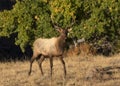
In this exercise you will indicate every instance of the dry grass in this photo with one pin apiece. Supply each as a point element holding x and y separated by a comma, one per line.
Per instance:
<point>78,68</point>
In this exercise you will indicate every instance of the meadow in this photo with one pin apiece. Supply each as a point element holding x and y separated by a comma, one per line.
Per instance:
<point>81,71</point>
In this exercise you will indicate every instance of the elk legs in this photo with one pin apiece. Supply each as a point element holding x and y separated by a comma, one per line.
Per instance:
<point>51,65</point>
<point>63,63</point>
<point>40,60</point>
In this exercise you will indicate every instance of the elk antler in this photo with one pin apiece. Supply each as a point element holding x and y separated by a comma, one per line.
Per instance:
<point>69,26</point>
<point>55,25</point>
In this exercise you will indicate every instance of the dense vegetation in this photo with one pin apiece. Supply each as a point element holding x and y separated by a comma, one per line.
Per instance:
<point>98,21</point>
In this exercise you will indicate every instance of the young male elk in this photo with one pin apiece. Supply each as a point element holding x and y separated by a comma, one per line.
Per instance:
<point>53,47</point>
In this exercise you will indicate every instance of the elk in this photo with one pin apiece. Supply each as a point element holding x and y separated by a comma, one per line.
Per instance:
<point>49,48</point>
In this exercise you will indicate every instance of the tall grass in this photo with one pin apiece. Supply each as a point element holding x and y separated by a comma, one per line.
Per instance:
<point>78,68</point>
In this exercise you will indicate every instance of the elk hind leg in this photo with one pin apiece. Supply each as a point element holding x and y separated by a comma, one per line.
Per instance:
<point>40,60</point>
<point>31,62</point>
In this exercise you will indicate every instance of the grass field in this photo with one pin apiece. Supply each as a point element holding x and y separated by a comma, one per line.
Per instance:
<point>78,70</point>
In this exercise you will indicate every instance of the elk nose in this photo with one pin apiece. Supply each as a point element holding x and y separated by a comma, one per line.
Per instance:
<point>65,37</point>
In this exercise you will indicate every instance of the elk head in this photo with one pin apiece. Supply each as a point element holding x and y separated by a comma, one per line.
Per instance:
<point>64,32</point>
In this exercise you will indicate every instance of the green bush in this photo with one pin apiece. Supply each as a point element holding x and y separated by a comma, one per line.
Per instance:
<point>98,21</point>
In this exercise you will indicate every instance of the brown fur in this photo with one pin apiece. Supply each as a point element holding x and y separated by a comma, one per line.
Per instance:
<point>83,49</point>
<point>87,50</point>
<point>53,47</point>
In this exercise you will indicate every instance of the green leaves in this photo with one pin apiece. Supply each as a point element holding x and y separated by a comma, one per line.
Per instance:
<point>31,19</point>
<point>25,19</point>
<point>63,11</point>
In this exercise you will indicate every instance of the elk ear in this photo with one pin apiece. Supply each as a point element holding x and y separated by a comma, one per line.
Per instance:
<point>69,29</point>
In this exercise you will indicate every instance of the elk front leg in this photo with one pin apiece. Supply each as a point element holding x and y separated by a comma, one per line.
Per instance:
<point>63,63</point>
<point>51,65</point>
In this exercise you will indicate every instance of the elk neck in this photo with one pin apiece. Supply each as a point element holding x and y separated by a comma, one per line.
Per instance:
<point>62,38</point>
<point>61,43</point>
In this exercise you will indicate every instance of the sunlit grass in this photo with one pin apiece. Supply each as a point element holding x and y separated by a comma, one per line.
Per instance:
<point>16,73</point>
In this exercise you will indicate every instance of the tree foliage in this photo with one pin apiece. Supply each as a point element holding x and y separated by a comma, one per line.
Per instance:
<point>97,21</point>
<point>29,19</point>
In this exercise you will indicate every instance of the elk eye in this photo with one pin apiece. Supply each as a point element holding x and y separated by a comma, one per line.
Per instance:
<point>66,33</point>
